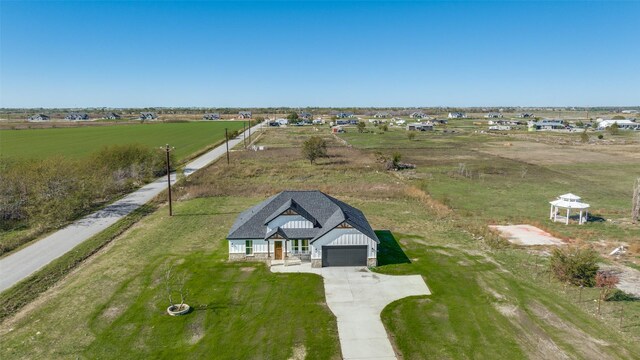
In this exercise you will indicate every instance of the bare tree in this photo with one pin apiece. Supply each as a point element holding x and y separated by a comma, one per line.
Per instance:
<point>175,285</point>
<point>606,281</point>
<point>635,209</point>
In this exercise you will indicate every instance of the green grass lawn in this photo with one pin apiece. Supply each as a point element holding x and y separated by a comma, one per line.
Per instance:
<point>187,138</point>
<point>114,307</point>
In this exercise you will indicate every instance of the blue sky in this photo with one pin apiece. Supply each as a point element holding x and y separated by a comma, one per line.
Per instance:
<point>383,53</point>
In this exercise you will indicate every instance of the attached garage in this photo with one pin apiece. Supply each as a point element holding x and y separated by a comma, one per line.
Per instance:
<point>345,255</point>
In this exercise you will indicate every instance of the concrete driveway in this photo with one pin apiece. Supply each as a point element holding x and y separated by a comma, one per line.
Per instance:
<point>356,296</point>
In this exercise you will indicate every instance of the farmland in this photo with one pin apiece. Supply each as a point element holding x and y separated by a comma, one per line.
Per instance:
<point>188,138</point>
<point>486,302</point>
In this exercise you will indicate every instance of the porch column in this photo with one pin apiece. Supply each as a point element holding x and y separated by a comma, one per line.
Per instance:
<point>268,250</point>
<point>580,218</point>
<point>567,222</point>
<point>586,215</point>
<point>551,213</point>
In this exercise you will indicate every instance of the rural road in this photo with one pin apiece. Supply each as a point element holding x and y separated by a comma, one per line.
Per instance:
<point>28,260</point>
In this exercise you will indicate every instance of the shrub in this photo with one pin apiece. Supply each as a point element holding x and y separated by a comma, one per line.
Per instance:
<point>600,136</point>
<point>384,127</point>
<point>361,126</point>
<point>313,148</point>
<point>576,266</point>
<point>618,117</point>
<point>584,137</point>
<point>411,135</point>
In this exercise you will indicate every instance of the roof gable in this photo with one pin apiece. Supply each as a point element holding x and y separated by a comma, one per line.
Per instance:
<point>324,211</point>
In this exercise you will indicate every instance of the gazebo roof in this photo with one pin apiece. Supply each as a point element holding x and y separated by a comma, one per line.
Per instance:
<point>569,204</point>
<point>570,197</point>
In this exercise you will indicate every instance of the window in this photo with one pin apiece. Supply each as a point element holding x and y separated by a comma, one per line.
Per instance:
<point>295,246</point>
<point>249,247</point>
<point>305,246</point>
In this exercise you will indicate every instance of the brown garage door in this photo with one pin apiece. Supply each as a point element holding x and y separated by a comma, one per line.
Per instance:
<point>351,255</point>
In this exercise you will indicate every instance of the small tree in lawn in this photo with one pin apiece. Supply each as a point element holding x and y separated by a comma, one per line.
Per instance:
<point>313,148</point>
<point>361,125</point>
<point>411,135</point>
<point>606,281</point>
<point>613,129</point>
<point>175,286</point>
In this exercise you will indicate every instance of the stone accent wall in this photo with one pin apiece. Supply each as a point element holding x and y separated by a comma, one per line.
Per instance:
<point>243,257</point>
<point>316,263</point>
<point>372,262</point>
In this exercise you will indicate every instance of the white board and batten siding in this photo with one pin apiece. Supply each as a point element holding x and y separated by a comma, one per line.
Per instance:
<point>289,222</point>
<point>340,236</point>
<point>239,246</point>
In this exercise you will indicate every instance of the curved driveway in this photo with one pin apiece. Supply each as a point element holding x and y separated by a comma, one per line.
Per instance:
<point>24,262</point>
<point>356,296</point>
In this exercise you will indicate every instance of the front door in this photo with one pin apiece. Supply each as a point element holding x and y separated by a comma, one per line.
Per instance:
<point>277,250</point>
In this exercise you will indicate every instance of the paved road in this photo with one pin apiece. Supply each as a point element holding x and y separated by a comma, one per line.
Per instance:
<point>356,296</point>
<point>28,260</point>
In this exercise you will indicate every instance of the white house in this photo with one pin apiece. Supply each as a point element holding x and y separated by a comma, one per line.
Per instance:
<point>456,115</point>
<point>622,124</point>
<point>304,226</point>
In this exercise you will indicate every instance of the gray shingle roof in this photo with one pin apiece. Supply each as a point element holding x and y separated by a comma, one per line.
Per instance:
<point>324,211</point>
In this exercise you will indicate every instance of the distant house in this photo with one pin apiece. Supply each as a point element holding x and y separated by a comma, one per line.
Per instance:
<point>630,111</point>
<point>305,115</point>
<point>525,115</point>
<point>344,115</point>
<point>244,114</point>
<point>282,121</point>
<point>38,117</point>
<point>499,128</point>
<point>493,115</point>
<point>546,124</point>
<point>77,116</point>
<point>318,121</point>
<point>381,115</point>
<point>423,126</point>
<point>622,124</point>
<point>212,116</point>
<point>456,115</point>
<point>342,122</point>
<point>418,115</point>
<point>111,116</point>
<point>148,116</point>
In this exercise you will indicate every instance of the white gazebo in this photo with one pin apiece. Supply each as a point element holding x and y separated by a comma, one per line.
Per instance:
<point>568,202</point>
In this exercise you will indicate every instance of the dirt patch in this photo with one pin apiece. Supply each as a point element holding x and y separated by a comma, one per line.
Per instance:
<point>585,344</point>
<point>490,290</point>
<point>526,235</point>
<point>629,278</point>
<point>196,330</point>
<point>531,336</point>
<point>299,352</point>
<point>111,313</point>
<point>247,269</point>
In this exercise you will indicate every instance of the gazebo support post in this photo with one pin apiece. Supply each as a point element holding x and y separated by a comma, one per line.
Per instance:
<point>580,218</point>
<point>551,213</point>
<point>567,222</point>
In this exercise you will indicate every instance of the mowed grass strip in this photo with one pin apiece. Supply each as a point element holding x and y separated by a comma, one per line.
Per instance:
<point>114,306</point>
<point>188,138</point>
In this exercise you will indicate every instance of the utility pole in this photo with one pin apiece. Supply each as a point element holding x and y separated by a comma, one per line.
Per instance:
<point>244,134</point>
<point>168,149</point>
<point>227,143</point>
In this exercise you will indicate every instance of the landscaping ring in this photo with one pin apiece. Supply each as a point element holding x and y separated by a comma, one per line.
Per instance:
<point>175,310</point>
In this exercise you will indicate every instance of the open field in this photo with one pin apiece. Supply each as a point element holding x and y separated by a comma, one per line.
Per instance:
<point>188,138</point>
<point>485,303</point>
<point>509,180</point>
